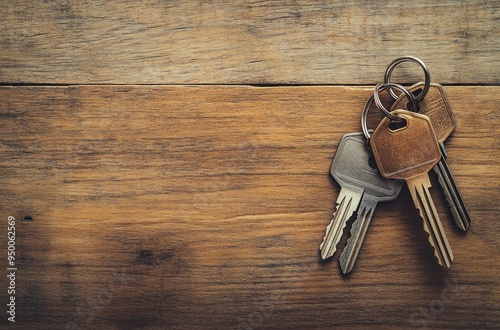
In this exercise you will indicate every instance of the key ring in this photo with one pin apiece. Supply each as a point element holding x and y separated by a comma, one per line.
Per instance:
<point>390,68</point>
<point>380,87</point>
<point>364,114</point>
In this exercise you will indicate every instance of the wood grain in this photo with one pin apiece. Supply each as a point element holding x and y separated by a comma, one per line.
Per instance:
<point>191,207</point>
<point>245,42</point>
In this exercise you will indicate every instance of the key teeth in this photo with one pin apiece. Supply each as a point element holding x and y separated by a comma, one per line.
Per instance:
<point>436,254</point>
<point>345,263</point>
<point>446,264</point>
<point>340,210</point>
<point>346,205</point>
<point>347,259</point>
<point>325,254</point>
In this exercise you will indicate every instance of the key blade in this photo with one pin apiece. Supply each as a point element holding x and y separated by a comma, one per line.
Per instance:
<point>457,205</point>
<point>419,189</point>
<point>358,232</point>
<point>347,203</point>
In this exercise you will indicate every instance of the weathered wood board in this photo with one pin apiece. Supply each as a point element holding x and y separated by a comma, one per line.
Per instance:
<point>245,42</point>
<point>198,207</point>
<point>154,188</point>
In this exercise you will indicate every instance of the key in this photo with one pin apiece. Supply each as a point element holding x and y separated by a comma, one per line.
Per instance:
<point>376,189</point>
<point>347,201</point>
<point>361,185</point>
<point>435,105</point>
<point>409,153</point>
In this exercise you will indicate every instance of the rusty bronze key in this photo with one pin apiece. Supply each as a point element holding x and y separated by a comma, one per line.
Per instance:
<point>432,102</point>
<point>408,151</point>
<point>435,105</point>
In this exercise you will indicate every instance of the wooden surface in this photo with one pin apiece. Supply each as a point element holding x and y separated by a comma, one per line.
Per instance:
<point>254,42</point>
<point>154,188</point>
<point>212,202</point>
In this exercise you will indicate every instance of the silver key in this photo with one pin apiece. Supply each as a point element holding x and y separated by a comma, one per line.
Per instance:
<point>370,199</point>
<point>362,186</point>
<point>377,189</point>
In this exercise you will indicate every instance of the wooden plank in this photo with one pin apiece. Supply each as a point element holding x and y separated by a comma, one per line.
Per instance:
<point>193,207</point>
<point>242,42</point>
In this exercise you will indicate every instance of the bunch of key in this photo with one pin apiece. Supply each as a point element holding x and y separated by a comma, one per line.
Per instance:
<point>371,166</point>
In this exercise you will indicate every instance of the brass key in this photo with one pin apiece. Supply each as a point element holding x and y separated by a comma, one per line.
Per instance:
<point>435,106</point>
<point>409,153</point>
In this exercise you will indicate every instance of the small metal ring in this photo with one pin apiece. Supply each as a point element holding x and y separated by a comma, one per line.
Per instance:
<point>364,116</point>
<point>427,81</point>
<point>380,87</point>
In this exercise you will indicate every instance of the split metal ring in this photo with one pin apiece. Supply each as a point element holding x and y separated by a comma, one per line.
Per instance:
<point>412,105</point>
<point>364,115</point>
<point>427,81</point>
